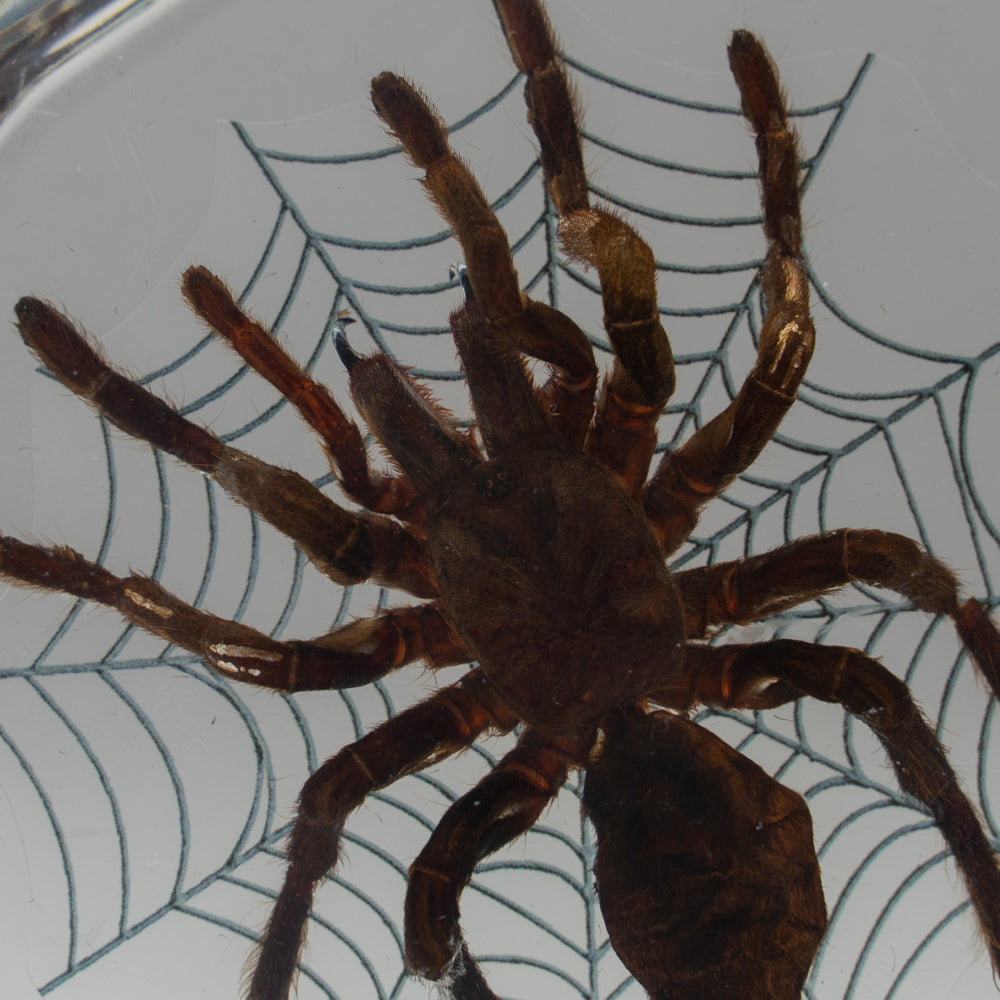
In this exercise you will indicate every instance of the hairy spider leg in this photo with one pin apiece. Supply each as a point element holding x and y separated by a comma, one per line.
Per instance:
<point>504,805</point>
<point>716,453</point>
<point>759,586</point>
<point>444,724</point>
<point>737,676</point>
<point>348,547</point>
<point>642,379</point>
<point>704,863</point>
<point>350,656</point>
<point>521,324</point>
<point>209,297</point>
<point>425,440</point>
<point>507,411</point>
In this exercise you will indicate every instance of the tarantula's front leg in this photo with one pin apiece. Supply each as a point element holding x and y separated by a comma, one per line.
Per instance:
<point>350,656</point>
<point>348,547</point>
<point>418,737</point>
<point>746,590</point>
<point>716,453</point>
<point>209,297</point>
<point>767,674</point>
<point>516,323</point>
<point>505,804</point>
<point>642,380</point>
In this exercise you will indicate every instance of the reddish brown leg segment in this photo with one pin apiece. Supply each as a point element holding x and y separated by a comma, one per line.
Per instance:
<point>347,657</point>
<point>760,586</point>
<point>505,804</point>
<point>443,725</point>
<point>643,378</point>
<point>739,676</point>
<point>209,297</point>
<point>518,323</point>
<point>688,478</point>
<point>348,547</point>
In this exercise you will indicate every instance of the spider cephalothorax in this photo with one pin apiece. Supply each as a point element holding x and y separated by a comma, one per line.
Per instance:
<point>539,543</point>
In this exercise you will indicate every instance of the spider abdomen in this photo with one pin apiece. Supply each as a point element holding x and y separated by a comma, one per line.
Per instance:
<point>555,582</point>
<point>707,877</point>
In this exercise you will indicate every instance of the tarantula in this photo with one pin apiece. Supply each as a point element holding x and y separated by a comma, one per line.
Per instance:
<point>540,543</point>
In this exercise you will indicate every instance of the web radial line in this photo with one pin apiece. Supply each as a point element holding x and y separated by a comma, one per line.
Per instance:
<point>195,669</point>
<point>912,878</point>
<point>160,558</point>
<point>244,371</point>
<point>846,775</point>
<point>334,930</point>
<point>846,893</point>
<point>344,285</point>
<point>508,903</point>
<point>983,748</point>
<point>535,963</point>
<point>183,817</point>
<point>904,482</point>
<point>102,776</point>
<point>925,943</point>
<point>842,107</point>
<point>963,481</point>
<point>265,255</point>
<point>879,425</point>
<point>212,520</point>
<point>61,842</point>
<point>717,362</point>
<point>209,338</point>
<point>964,411</point>
<point>551,216</point>
<point>173,905</point>
<point>589,899</point>
<point>77,606</point>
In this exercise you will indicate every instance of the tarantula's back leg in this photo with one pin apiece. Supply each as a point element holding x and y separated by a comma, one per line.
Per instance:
<point>715,454</point>
<point>209,297</point>
<point>768,674</point>
<point>347,547</point>
<point>350,656</point>
<point>746,590</point>
<point>444,724</point>
<point>705,865</point>
<point>516,322</point>
<point>505,804</point>
<point>643,377</point>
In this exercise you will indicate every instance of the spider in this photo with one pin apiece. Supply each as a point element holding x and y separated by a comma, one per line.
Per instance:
<point>538,543</point>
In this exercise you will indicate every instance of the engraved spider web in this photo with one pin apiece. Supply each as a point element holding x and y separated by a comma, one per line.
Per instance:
<point>531,913</point>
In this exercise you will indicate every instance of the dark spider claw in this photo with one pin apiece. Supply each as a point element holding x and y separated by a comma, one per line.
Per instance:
<point>348,356</point>
<point>461,273</point>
